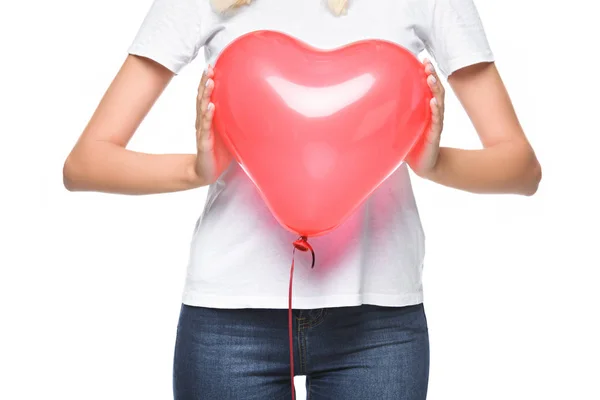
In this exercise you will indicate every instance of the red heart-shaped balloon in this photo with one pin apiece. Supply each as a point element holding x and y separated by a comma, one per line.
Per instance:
<point>316,130</point>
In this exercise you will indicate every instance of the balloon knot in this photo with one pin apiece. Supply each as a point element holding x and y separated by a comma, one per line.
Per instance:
<point>302,244</point>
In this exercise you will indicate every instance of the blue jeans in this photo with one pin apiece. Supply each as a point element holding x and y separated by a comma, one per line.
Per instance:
<point>350,353</point>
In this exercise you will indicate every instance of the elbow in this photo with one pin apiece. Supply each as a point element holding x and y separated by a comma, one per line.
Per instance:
<point>73,173</point>
<point>532,173</point>
<point>69,172</point>
<point>533,180</point>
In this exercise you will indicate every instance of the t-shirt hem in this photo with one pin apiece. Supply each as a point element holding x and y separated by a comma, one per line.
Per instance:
<point>161,58</point>
<point>271,302</point>
<point>454,64</point>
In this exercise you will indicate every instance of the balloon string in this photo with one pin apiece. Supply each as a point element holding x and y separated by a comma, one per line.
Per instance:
<point>290,326</point>
<point>302,245</point>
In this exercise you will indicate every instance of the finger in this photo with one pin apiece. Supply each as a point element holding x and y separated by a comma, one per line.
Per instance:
<point>206,96</point>
<point>433,78</point>
<point>435,111</point>
<point>436,121</point>
<point>202,82</point>
<point>428,65</point>
<point>437,89</point>
<point>199,96</point>
<point>208,73</point>
<point>434,85</point>
<point>207,121</point>
<point>430,69</point>
<point>205,137</point>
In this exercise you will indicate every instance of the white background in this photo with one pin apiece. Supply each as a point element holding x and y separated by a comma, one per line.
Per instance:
<point>90,284</point>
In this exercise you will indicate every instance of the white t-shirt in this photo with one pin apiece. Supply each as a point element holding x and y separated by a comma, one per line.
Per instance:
<point>240,255</point>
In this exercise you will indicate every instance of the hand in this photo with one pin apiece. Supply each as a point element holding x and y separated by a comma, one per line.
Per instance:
<point>423,158</point>
<point>212,156</point>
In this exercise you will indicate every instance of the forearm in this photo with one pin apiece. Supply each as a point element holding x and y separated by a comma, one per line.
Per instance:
<point>111,168</point>
<point>504,168</point>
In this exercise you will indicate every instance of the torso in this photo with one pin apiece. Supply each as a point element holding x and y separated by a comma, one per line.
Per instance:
<point>241,256</point>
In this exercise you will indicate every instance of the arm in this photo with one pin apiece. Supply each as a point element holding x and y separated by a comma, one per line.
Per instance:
<point>507,162</point>
<point>100,161</point>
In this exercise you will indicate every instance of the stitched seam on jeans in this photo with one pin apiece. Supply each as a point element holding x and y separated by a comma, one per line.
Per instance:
<point>303,355</point>
<point>299,340</point>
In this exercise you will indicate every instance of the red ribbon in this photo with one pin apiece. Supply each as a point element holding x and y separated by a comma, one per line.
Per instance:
<point>302,245</point>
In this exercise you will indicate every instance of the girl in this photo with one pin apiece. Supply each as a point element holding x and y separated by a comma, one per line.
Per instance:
<point>359,328</point>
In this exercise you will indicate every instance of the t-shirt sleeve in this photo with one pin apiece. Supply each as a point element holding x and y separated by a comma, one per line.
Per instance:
<point>170,33</point>
<point>454,35</point>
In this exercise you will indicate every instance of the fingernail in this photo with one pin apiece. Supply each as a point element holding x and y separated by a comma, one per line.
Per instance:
<point>434,101</point>
<point>210,106</point>
<point>432,78</point>
<point>208,82</point>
